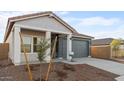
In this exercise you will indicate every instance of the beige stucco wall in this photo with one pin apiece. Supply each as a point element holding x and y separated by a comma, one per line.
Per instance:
<point>46,22</point>
<point>32,57</point>
<point>38,27</point>
<point>10,41</point>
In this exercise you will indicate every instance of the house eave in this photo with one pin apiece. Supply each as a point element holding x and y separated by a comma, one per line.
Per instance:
<point>12,20</point>
<point>82,36</point>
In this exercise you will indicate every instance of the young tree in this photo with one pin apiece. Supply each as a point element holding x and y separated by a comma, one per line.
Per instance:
<point>41,51</point>
<point>115,45</point>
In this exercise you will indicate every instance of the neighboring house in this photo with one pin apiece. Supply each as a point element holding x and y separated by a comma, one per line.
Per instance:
<point>101,48</point>
<point>47,25</point>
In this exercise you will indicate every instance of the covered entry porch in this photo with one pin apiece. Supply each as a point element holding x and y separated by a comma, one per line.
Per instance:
<point>29,38</point>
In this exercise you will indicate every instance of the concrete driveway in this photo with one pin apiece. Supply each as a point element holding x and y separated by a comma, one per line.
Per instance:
<point>107,65</point>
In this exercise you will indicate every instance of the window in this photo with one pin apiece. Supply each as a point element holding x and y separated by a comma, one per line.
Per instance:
<point>27,44</point>
<point>30,43</point>
<point>36,41</point>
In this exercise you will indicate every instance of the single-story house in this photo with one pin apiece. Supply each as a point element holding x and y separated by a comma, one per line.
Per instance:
<point>47,25</point>
<point>101,48</point>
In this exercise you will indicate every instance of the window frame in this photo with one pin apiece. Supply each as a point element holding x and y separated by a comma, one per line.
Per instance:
<point>32,42</point>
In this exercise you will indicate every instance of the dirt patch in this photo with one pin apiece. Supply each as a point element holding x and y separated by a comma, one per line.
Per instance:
<point>5,63</point>
<point>68,67</point>
<point>62,72</point>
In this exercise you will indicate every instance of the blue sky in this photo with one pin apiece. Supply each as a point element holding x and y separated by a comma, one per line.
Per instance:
<point>95,23</point>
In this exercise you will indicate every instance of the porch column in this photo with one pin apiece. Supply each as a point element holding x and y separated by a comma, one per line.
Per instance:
<point>48,52</point>
<point>17,43</point>
<point>69,47</point>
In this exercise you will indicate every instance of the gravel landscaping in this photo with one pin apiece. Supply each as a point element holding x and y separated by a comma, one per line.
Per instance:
<point>61,72</point>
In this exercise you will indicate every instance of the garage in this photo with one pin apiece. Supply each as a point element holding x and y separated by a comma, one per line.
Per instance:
<point>80,48</point>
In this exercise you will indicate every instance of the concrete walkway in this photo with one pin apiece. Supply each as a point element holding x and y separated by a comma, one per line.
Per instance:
<point>107,65</point>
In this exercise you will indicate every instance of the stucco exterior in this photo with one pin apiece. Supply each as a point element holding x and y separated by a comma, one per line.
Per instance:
<point>42,26</point>
<point>45,23</point>
<point>10,40</point>
<point>32,57</point>
<point>36,25</point>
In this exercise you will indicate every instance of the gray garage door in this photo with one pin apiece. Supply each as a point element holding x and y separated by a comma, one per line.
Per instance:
<point>80,48</point>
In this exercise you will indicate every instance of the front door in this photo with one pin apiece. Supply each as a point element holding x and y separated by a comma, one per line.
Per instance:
<point>62,47</point>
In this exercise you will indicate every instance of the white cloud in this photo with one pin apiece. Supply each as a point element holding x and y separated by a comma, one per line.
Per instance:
<point>3,22</point>
<point>4,15</point>
<point>72,19</point>
<point>99,27</point>
<point>91,21</point>
<point>99,21</point>
<point>117,33</point>
<point>62,12</point>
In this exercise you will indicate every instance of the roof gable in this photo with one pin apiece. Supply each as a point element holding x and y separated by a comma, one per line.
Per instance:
<point>12,20</point>
<point>45,22</point>
<point>32,17</point>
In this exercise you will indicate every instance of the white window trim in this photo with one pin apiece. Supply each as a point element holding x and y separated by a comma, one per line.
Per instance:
<point>31,43</point>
